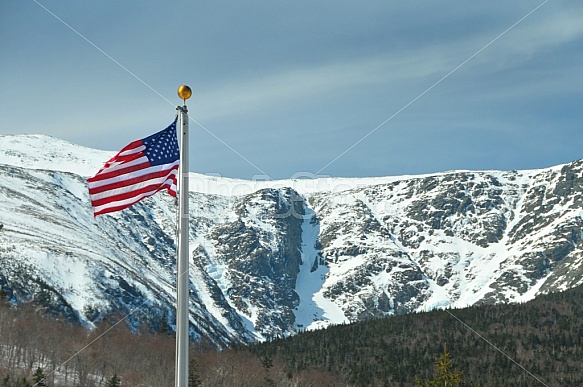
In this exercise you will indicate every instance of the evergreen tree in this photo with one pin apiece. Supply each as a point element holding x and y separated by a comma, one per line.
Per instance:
<point>3,297</point>
<point>39,378</point>
<point>267,363</point>
<point>115,381</point>
<point>193,376</point>
<point>23,383</point>
<point>163,326</point>
<point>444,374</point>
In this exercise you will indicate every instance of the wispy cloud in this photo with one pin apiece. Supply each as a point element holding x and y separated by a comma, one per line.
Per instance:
<point>395,69</point>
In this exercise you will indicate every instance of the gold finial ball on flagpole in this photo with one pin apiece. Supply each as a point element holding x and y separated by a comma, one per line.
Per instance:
<point>184,92</point>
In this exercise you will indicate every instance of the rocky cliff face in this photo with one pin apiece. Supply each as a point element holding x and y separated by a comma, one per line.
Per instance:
<point>256,249</point>
<point>455,239</point>
<point>284,256</point>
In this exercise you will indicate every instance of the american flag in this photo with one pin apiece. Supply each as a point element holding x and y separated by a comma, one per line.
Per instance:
<point>139,170</point>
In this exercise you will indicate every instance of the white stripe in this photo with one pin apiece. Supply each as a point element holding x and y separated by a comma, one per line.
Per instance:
<point>131,151</point>
<point>131,175</point>
<point>112,166</point>
<point>130,201</point>
<point>133,187</point>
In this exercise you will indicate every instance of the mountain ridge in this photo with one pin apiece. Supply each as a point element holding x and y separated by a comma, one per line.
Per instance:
<point>271,258</point>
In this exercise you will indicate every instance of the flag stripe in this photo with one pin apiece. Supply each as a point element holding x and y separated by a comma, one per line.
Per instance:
<point>124,155</point>
<point>137,191</point>
<point>137,185</point>
<point>132,148</point>
<point>130,167</point>
<point>130,178</point>
<point>129,201</point>
<point>116,206</point>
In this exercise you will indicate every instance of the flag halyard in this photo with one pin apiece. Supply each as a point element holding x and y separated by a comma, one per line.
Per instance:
<point>139,170</point>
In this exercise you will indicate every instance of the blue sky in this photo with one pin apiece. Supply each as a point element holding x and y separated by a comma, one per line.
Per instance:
<point>304,88</point>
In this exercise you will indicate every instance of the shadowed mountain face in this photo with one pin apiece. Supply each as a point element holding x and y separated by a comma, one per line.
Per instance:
<point>277,258</point>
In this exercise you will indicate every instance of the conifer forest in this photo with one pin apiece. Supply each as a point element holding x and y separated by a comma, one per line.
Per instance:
<point>530,344</point>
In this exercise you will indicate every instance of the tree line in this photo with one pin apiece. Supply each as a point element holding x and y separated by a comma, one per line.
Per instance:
<point>535,343</point>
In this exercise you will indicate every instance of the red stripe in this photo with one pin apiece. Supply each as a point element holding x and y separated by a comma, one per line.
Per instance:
<point>137,192</point>
<point>142,172</point>
<point>119,158</point>
<point>111,209</point>
<point>117,172</point>
<point>129,147</point>
<point>126,205</point>
<point>127,182</point>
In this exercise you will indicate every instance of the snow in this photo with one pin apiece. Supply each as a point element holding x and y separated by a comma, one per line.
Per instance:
<point>57,155</point>
<point>314,311</point>
<point>57,217</point>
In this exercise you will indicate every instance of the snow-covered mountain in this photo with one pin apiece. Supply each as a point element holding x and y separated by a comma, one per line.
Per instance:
<point>270,258</point>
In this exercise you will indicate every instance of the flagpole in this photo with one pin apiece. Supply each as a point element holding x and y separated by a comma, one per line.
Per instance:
<point>182,276</point>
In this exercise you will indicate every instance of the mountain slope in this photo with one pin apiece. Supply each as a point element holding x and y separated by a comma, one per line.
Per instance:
<point>270,258</point>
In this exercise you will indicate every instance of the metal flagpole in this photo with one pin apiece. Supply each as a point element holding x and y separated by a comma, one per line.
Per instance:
<point>182,338</point>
